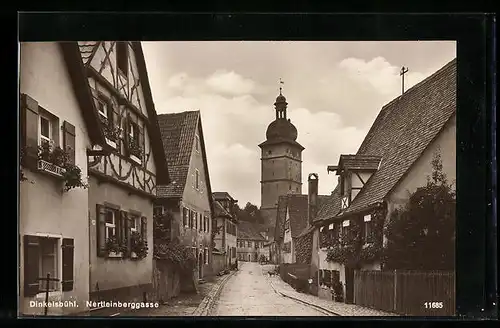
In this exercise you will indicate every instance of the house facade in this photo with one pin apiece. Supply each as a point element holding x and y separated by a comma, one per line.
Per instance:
<point>124,174</point>
<point>295,217</point>
<point>53,224</point>
<point>226,225</point>
<point>391,163</point>
<point>189,196</point>
<point>250,243</point>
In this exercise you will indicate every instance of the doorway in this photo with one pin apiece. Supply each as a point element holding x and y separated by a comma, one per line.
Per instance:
<point>349,285</point>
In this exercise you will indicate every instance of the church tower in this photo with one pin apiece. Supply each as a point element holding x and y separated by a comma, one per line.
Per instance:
<point>281,161</point>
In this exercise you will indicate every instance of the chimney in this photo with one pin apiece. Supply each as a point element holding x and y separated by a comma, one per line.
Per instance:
<point>312,197</point>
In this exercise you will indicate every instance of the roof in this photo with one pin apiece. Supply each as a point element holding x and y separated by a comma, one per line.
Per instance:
<point>403,130</point>
<point>359,162</point>
<point>221,195</point>
<point>248,231</point>
<point>331,206</point>
<point>297,205</point>
<point>177,133</point>
<point>220,211</point>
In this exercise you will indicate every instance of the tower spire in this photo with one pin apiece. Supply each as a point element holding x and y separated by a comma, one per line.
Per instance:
<point>281,88</point>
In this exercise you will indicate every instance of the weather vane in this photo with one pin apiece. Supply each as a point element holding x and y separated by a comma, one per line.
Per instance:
<point>281,82</point>
<point>402,73</point>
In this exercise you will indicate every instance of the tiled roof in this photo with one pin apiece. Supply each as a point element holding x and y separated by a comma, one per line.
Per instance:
<point>220,195</point>
<point>359,162</point>
<point>298,208</point>
<point>249,231</point>
<point>331,207</point>
<point>219,210</point>
<point>403,130</point>
<point>177,133</point>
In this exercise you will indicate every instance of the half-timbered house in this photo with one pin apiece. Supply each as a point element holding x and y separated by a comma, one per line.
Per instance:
<point>122,175</point>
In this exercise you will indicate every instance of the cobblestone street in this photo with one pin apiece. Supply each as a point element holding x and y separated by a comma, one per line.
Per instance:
<point>248,293</point>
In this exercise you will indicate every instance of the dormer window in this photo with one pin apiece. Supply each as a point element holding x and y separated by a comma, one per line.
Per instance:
<point>122,57</point>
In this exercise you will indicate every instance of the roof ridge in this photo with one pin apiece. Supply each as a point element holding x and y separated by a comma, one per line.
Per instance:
<point>426,80</point>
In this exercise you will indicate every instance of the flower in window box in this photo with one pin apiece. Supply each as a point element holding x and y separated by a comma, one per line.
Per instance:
<point>138,246</point>
<point>114,247</point>
<point>134,147</point>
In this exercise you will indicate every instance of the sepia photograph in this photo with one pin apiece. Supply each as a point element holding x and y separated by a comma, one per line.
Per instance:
<point>237,178</point>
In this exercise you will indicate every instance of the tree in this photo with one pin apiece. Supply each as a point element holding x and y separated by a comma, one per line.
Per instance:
<point>250,213</point>
<point>421,235</point>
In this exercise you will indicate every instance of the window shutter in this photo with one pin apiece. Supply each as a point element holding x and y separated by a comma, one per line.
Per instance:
<point>126,138</point>
<point>101,230</point>
<point>31,265</point>
<point>29,129</point>
<point>122,227</point>
<point>184,216</point>
<point>195,218</point>
<point>127,225</point>
<point>69,140</point>
<point>68,255</point>
<point>144,227</point>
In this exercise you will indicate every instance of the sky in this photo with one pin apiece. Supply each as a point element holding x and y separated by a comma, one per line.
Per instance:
<point>334,92</point>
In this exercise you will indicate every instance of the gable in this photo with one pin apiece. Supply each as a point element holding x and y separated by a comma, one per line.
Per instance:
<point>129,88</point>
<point>184,149</point>
<point>102,57</point>
<point>403,130</point>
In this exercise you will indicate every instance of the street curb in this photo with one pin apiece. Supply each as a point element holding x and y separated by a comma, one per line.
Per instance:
<point>208,301</point>
<point>299,300</point>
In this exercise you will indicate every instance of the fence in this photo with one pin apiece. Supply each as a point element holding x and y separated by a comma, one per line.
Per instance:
<point>218,262</point>
<point>295,274</point>
<point>412,293</point>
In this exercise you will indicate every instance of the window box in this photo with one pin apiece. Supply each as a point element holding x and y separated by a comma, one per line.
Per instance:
<point>115,254</point>
<point>51,168</point>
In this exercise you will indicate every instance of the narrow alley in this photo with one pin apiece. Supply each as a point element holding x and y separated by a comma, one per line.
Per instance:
<point>249,293</point>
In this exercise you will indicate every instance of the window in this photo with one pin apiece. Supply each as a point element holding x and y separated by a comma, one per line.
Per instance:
<point>197,143</point>
<point>48,255</point>
<point>368,229</point>
<point>48,262</point>
<point>157,210</point>
<point>45,130</point>
<point>287,247</point>
<point>122,57</point>
<point>200,219</point>
<point>270,152</point>
<point>249,244</point>
<point>197,180</point>
<point>205,255</point>
<point>136,224</point>
<point>185,217</point>
<point>110,223</point>
<point>133,131</point>
<point>297,189</point>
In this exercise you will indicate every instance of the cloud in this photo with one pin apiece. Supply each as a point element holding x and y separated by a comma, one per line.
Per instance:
<point>334,91</point>
<point>379,74</point>
<point>234,127</point>
<point>226,82</point>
